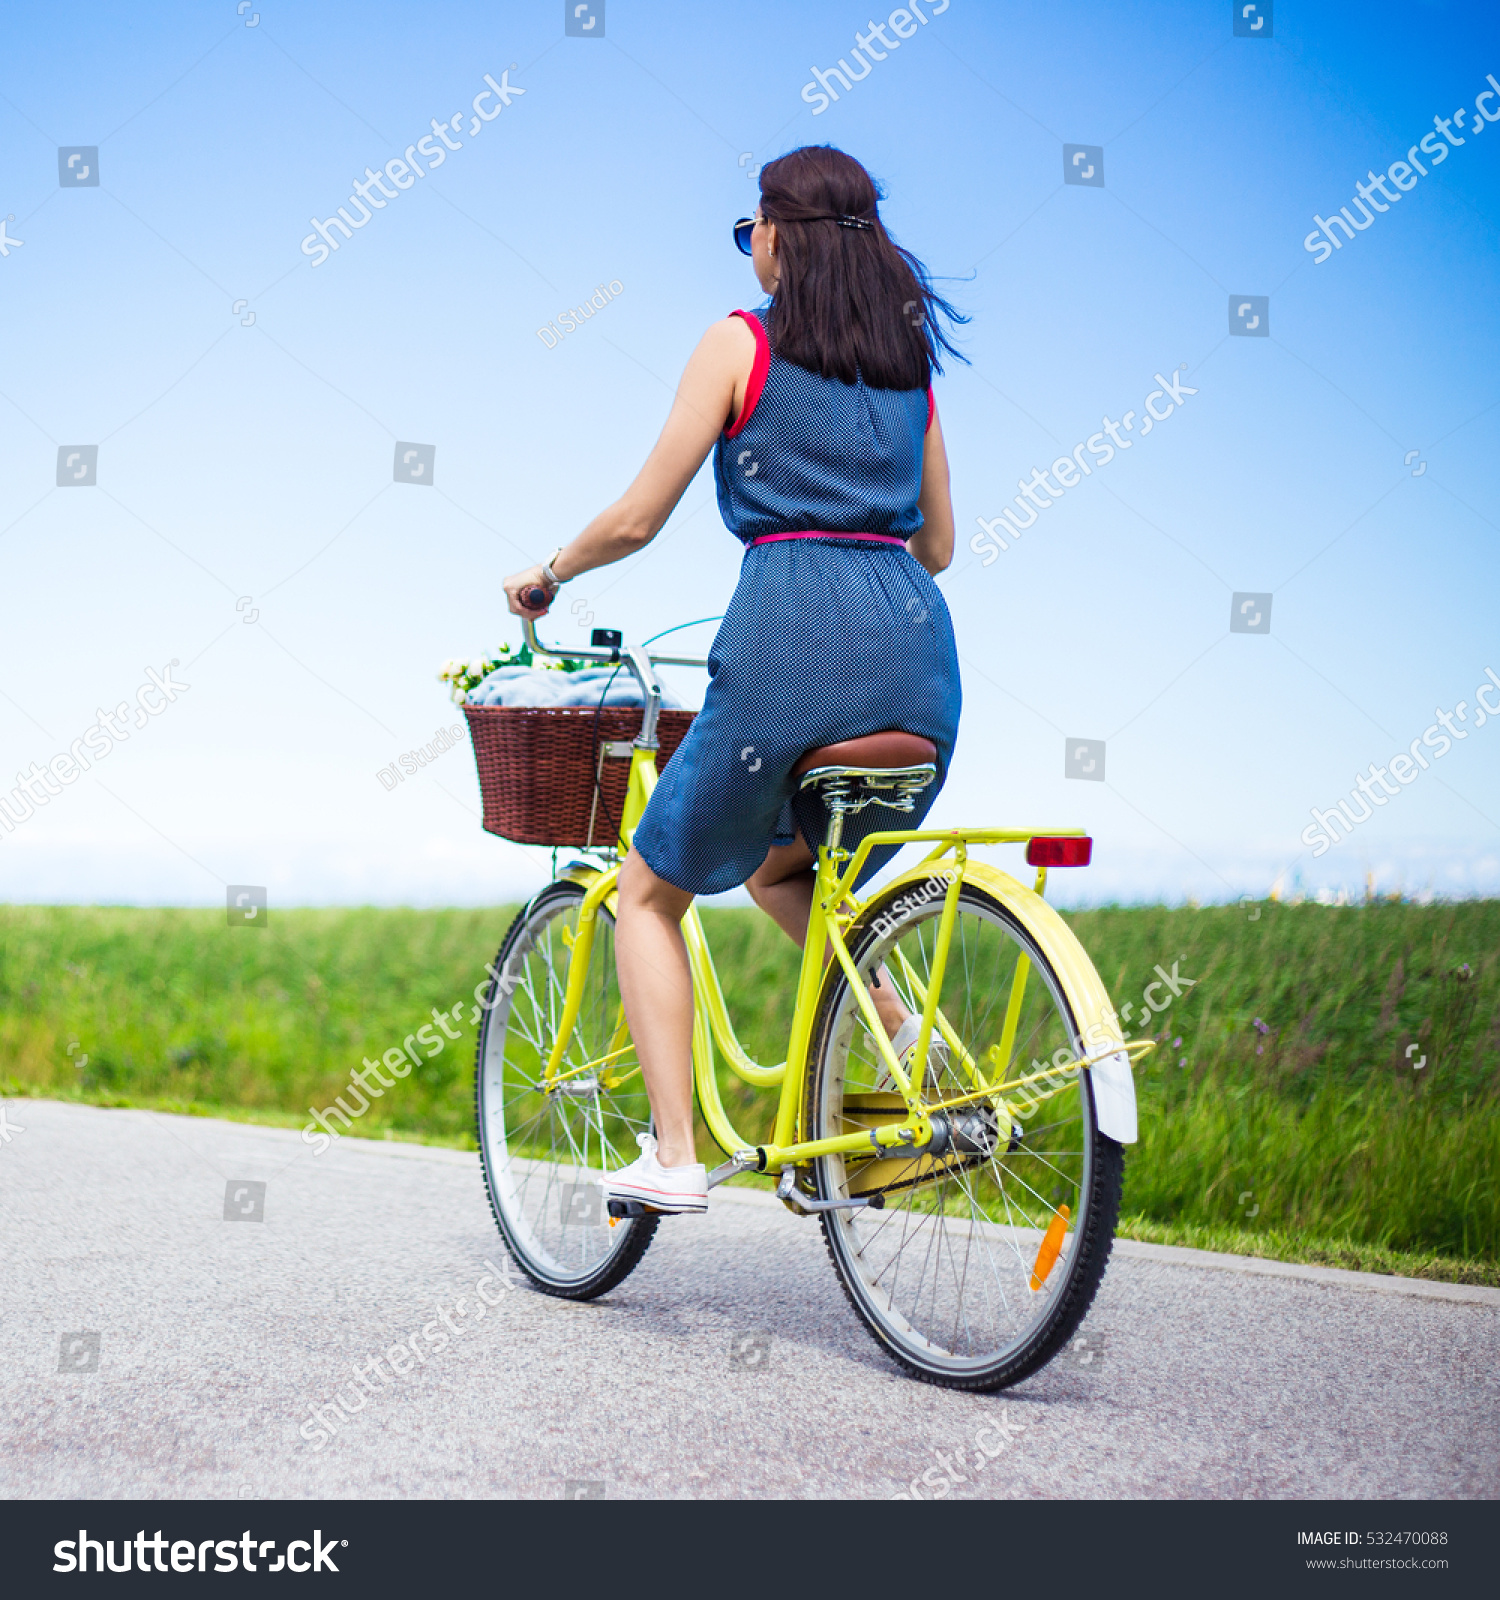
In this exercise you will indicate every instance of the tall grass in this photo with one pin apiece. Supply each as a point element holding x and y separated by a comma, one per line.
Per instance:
<point>174,1007</point>
<point>1338,1072</point>
<point>1291,1105</point>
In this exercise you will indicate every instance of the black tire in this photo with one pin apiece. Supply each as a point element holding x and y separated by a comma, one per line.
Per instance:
<point>989,1345</point>
<point>510,1111</point>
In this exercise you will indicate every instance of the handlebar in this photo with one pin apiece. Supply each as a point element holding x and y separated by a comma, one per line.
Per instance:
<point>528,628</point>
<point>632,656</point>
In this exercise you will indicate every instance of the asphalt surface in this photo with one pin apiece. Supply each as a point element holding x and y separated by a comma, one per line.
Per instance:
<point>729,1364</point>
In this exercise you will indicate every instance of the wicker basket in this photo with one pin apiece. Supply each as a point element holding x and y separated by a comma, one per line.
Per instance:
<point>548,776</point>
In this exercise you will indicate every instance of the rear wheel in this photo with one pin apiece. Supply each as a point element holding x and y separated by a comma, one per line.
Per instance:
<point>546,1148</point>
<point>990,1246</point>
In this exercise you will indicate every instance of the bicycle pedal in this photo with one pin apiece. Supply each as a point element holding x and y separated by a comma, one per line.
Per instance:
<point>627,1208</point>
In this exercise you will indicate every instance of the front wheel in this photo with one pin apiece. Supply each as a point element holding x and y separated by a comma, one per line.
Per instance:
<point>546,1146</point>
<point>988,1249</point>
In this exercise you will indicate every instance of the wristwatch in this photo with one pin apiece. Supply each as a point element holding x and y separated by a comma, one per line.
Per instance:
<point>548,575</point>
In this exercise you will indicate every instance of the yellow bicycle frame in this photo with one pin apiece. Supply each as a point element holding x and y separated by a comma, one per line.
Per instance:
<point>834,912</point>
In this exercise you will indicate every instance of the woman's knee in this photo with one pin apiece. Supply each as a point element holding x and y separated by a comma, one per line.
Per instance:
<point>640,889</point>
<point>783,861</point>
<point>760,883</point>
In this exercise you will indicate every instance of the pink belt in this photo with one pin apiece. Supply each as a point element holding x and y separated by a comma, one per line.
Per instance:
<point>813,533</point>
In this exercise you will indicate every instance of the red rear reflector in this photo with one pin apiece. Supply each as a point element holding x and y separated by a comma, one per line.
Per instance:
<point>1063,852</point>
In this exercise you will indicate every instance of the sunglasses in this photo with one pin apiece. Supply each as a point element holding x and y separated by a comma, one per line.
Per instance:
<point>745,227</point>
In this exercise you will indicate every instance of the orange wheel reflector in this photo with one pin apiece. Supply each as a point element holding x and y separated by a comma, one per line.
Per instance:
<point>1052,1242</point>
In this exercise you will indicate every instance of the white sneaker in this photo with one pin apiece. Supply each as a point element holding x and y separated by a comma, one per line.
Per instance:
<point>670,1189</point>
<point>904,1046</point>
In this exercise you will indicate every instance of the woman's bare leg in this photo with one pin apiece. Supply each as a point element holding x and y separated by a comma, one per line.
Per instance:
<point>656,982</point>
<point>656,987</point>
<point>782,886</point>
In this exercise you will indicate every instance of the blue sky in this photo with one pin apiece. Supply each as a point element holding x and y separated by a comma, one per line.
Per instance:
<point>249,463</point>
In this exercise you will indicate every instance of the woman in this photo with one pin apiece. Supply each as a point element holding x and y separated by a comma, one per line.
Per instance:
<point>831,470</point>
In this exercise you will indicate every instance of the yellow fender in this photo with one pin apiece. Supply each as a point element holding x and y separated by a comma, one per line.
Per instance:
<point>586,875</point>
<point>1098,1022</point>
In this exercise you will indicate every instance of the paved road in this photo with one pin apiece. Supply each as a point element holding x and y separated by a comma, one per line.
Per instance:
<point>215,1337</point>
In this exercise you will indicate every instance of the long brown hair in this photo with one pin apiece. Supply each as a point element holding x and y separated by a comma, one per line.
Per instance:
<point>850,303</point>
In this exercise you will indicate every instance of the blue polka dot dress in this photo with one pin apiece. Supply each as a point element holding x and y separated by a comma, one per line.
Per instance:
<point>825,638</point>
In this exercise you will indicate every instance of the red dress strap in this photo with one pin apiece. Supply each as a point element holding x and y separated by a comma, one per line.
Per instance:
<point>758,371</point>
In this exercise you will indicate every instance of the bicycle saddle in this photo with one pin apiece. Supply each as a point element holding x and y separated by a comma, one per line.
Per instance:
<point>875,752</point>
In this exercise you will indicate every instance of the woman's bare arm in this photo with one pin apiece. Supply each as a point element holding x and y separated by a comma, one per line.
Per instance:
<point>711,392</point>
<point>932,543</point>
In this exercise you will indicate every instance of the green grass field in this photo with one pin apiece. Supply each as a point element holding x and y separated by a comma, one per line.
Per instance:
<point>1291,1120</point>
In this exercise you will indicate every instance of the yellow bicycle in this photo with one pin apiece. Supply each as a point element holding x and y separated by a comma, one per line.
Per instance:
<point>968,1191</point>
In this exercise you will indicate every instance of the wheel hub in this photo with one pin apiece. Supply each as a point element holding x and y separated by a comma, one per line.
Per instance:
<point>584,1088</point>
<point>969,1133</point>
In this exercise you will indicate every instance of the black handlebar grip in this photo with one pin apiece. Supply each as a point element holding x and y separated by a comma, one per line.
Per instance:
<point>534,598</point>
